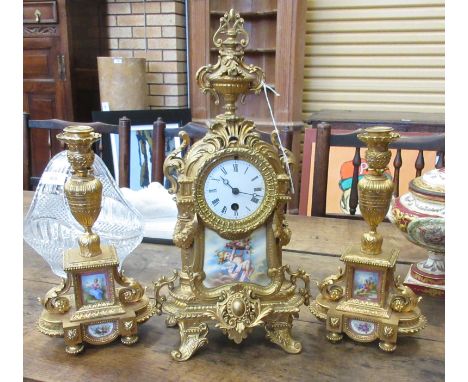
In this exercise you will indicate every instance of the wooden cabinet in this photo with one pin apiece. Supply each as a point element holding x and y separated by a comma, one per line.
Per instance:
<point>277,36</point>
<point>276,29</point>
<point>61,42</point>
<point>45,60</point>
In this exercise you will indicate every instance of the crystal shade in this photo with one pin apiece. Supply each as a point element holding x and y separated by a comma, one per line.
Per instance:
<point>50,228</point>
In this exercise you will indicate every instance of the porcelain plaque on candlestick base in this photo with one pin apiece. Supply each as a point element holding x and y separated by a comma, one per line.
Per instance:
<point>231,191</point>
<point>367,301</point>
<point>104,304</point>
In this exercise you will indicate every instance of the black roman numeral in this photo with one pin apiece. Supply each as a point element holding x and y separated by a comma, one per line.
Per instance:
<point>223,170</point>
<point>246,169</point>
<point>255,178</point>
<point>247,208</point>
<point>215,202</point>
<point>257,189</point>
<point>254,199</point>
<point>236,213</point>
<point>236,167</point>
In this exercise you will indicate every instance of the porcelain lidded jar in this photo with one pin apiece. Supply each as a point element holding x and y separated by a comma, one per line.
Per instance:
<point>420,214</point>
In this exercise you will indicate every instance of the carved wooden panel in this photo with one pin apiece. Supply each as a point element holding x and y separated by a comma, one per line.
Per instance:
<point>40,92</point>
<point>43,106</point>
<point>40,30</point>
<point>39,59</point>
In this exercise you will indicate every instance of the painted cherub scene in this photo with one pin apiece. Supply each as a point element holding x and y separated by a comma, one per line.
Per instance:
<point>94,288</point>
<point>236,261</point>
<point>236,255</point>
<point>366,285</point>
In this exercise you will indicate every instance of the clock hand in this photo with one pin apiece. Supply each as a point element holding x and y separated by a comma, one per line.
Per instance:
<point>254,194</point>
<point>235,190</point>
<point>225,181</point>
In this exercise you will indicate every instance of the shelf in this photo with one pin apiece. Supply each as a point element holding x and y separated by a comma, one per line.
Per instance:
<point>248,15</point>
<point>252,50</point>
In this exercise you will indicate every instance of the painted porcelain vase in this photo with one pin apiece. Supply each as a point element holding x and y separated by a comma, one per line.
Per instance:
<point>420,215</point>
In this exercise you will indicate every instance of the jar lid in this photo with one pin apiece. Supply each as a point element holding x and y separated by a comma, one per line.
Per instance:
<point>431,185</point>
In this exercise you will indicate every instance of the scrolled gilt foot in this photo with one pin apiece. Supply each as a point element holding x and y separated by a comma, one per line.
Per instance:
<point>132,291</point>
<point>129,340</point>
<point>387,346</point>
<point>192,338</point>
<point>334,337</point>
<point>74,349</point>
<point>329,289</point>
<point>279,332</point>
<point>301,274</point>
<point>161,283</point>
<point>404,300</point>
<point>54,301</point>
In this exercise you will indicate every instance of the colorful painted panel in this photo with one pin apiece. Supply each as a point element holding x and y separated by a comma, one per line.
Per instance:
<point>366,285</point>
<point>95,287</point>
<point>362,327</point>
<point>101,330</point>
<point>228,261</point>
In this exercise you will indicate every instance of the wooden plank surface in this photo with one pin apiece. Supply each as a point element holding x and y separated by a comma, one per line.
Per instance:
<point>420,358</point>
<point>331,236</point>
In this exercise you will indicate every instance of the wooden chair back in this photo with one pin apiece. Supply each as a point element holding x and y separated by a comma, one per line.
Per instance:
<point>35,158</point>
<point>160,133</point>
<point>158,118</point>
<point>325,139</point>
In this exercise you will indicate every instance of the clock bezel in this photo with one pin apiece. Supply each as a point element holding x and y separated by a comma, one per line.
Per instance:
<point>232,228</point>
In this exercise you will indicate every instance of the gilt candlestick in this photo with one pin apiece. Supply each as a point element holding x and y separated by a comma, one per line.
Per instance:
<point>104,303</point>
<point>367,301</point>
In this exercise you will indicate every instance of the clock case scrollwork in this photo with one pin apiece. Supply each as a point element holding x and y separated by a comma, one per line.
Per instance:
<point>236,307</point>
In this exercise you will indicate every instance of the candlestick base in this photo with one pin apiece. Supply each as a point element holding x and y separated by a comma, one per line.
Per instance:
<point>366,302</point>
<point>98,311</point>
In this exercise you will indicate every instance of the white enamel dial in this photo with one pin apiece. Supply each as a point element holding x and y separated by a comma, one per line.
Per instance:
<point>234,189</point>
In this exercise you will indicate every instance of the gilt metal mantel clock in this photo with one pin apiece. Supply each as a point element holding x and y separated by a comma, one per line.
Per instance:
<point>231,190</point>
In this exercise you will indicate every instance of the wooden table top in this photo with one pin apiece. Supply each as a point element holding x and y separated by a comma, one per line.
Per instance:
<point>316,246</point>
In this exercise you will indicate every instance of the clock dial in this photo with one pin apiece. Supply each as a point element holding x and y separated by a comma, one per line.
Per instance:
<point>234,189</point>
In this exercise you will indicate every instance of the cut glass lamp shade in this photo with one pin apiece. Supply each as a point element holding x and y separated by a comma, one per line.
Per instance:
<point>50,228</point>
